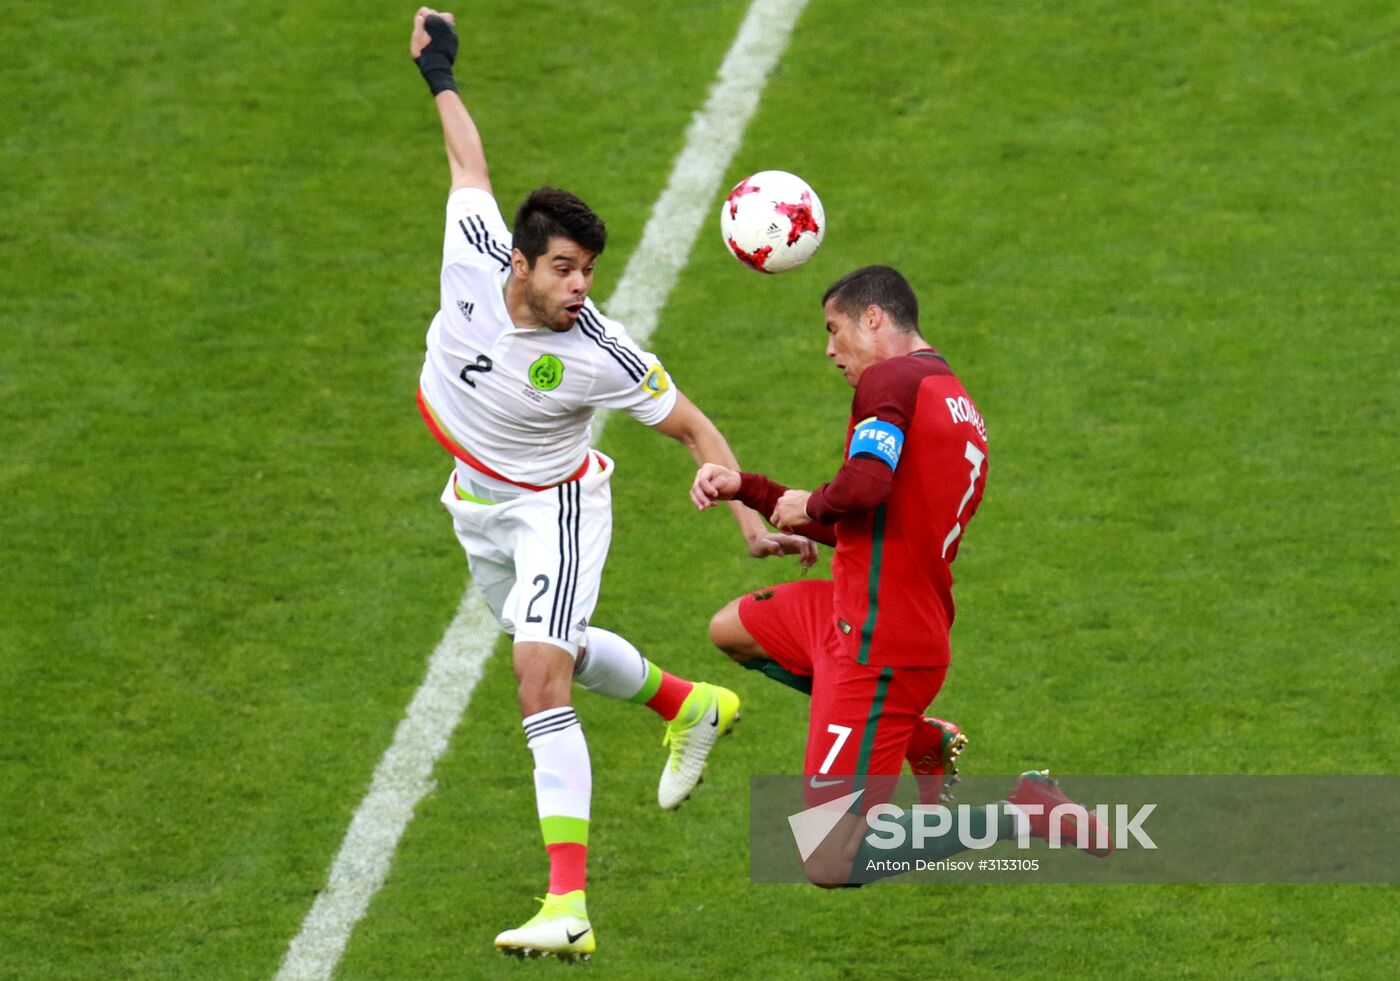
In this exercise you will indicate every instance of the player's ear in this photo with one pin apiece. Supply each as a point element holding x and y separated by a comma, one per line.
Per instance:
<point>519,266</point>
<point>872,315</point>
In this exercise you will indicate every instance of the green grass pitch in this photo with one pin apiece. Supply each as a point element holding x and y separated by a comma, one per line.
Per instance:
<point>1158,241</point>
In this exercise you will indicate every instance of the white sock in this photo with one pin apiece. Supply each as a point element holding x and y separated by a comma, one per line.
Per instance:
<point>610,665</point>
<point>563,774</point>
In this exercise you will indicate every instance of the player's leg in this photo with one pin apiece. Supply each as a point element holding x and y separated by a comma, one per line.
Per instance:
<point>907,692</point>
<point>861,722</point>
<point>514,549</point>
<point>697,714</point>
<point>855,752</point>
<point>609,664</point>
<point>771,631</point>
<point>1032,802</point>
<point>934,744</point>
<point>563,773</point>
<point>559,549</point>
<point>934,747</point>
<point>860,726</point>
<point>563,791</point>
<point>1036,807</point>
<point>563,781</point>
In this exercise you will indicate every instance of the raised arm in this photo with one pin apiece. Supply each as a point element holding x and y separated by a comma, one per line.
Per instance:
<point>433,46</point>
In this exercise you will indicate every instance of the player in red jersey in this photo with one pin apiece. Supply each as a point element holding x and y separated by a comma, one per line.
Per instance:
<point>871,643</point>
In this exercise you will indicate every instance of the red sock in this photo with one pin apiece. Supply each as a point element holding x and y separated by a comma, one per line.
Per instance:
<point>925,739</point>
<point>668,698</point>
<point>568,867</point>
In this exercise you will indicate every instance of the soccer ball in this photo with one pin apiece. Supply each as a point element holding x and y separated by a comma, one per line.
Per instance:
<point>772,221</point>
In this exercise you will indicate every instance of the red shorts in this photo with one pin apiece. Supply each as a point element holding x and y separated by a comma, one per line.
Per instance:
<point>862,715</point>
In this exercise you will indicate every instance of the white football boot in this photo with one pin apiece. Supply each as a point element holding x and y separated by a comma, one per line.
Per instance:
<point>707,713</point>
<point>560,929</point>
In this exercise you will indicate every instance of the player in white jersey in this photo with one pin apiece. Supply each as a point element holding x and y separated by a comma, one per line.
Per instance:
<point>518,361</point>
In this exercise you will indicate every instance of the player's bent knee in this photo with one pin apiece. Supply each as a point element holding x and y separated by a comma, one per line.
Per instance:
<point>828,871</point>
<point>831,863</point>
<point>728,634</point>
<point>721,624</point>
<point>544,676</point>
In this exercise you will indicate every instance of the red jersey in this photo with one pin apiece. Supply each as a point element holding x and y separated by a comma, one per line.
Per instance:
<point>915,470</point>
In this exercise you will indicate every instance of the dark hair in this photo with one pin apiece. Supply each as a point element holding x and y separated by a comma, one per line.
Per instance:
<point>548,212</point>
<point>878,286</point>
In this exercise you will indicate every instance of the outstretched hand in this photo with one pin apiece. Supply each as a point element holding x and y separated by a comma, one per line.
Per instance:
<point>715,482</point>
<point>769,543</point>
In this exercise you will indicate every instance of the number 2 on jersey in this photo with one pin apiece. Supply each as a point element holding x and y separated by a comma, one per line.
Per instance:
<point>975,457</point>
<point>483,363</point>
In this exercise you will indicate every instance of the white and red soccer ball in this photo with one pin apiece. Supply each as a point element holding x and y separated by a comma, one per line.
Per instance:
<point>772,221</point>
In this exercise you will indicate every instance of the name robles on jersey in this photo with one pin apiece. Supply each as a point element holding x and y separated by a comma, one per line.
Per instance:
<point>520,402</point>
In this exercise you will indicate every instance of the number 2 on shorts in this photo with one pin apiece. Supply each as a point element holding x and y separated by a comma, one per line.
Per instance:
<point>530,615</point>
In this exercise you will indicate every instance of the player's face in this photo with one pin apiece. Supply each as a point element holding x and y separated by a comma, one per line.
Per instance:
<point>849,342</point>
<point>557,285</point>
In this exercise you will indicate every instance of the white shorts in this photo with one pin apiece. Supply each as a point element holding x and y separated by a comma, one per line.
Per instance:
<point>538,559</point>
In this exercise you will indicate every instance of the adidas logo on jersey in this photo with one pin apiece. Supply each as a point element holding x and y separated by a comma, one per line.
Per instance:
<point>466,307</point>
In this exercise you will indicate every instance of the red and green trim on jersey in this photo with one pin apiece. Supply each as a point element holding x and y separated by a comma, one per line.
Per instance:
<point>441,434</point>
<point>872,722</point>
<point>872,613</point>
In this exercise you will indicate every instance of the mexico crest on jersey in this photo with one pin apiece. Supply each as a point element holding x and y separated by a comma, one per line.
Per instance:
<point>547,372</point>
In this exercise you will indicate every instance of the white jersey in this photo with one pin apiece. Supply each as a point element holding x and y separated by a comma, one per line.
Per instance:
<point>521,402</point>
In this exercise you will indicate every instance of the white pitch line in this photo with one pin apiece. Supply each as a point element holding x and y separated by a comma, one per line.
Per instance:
<point>404,774</point>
